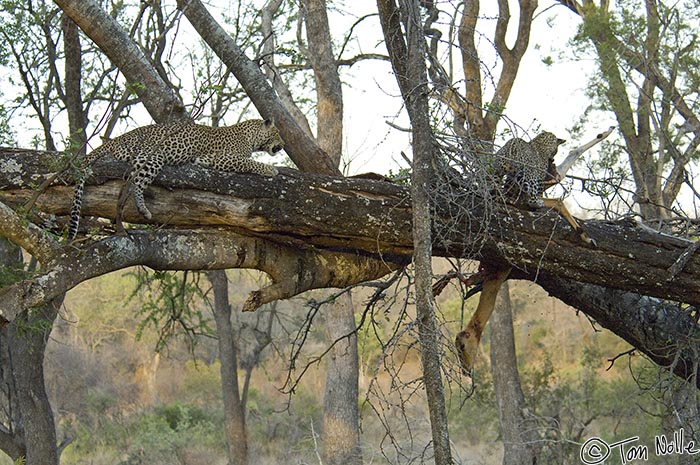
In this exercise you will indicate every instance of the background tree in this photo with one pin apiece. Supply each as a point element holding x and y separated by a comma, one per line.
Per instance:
<point>482,118</point>
<point>27,429</point>
<point>340,432</point>
<point>646,77</point>
<point>32,29</point>
<point>476,120</point>
<point>234,405</point>
<point>404,36</point>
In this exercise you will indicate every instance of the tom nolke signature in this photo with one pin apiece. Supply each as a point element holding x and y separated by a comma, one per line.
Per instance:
<point>597,451</point>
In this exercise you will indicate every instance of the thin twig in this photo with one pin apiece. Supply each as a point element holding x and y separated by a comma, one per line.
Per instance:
<point>612,360</point>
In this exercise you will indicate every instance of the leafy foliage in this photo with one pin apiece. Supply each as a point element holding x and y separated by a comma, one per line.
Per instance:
<point>169,305</point>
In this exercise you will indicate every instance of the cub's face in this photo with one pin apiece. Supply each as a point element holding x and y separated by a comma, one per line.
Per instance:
<point>546,144</point>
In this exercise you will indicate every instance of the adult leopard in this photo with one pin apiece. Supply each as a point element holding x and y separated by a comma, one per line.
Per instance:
<point>149,148</point>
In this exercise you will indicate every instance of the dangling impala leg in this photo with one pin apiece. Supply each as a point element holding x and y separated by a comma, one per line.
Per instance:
<point>558,205</point>
<point>467,340</point>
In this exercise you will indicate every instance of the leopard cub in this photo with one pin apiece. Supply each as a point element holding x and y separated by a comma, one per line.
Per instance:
<point>526,166</point>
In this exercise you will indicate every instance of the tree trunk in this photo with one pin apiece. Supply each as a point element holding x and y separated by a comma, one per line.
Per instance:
<point>328,86</point>
<point>77,120</point>
<point>415,94</point>
<point>234,410</point>
<point>11,441</point>
<point>341,436</point>
<point>483,126</point>
<point>30,431</point>
<point>22,347</point>
<point>518,431</point>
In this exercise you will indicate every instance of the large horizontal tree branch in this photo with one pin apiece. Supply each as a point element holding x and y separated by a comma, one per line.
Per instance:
<point>293,269</point>
<point>665,331</point>
<point>374,217</point>
<point>310,231</point>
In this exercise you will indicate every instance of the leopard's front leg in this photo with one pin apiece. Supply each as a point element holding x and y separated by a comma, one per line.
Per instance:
<point>144,172</point>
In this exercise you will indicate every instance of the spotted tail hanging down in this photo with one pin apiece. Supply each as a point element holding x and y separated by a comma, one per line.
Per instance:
<point>77,206</point>
<point>75,209</point>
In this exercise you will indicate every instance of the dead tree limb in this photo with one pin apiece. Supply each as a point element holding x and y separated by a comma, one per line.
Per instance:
<point>364,225</point>
<point>374,217</point>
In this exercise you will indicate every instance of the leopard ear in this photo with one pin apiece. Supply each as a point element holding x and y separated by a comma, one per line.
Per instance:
<point>269,122</point>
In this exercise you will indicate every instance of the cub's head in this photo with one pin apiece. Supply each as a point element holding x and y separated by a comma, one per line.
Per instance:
<point>546,145</point>
<point>269,137</point>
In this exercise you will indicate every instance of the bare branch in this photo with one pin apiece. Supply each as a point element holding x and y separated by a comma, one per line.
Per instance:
<point>162,103</point>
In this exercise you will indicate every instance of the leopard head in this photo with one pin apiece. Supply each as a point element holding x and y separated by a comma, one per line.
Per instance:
<point>546,145</point>
<point>269,137</point>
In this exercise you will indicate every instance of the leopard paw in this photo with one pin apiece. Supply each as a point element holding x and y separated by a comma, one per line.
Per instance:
<point>145,211</point>
<point>270,171</point>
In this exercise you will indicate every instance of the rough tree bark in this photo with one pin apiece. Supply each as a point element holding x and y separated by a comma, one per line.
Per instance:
<point>351,214</point>
<point>29,429</point>
<point>22,347</point>
<point>272,73</point>
<point>361,227</point>
<point>340,435</point>
<point>329,94</point>
<point>77,119</point>
<point>520,437</point>
<point>341,432</point>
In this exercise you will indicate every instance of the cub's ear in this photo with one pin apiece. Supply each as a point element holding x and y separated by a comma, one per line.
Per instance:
<point>269,122</point>
<point>561,141</point>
